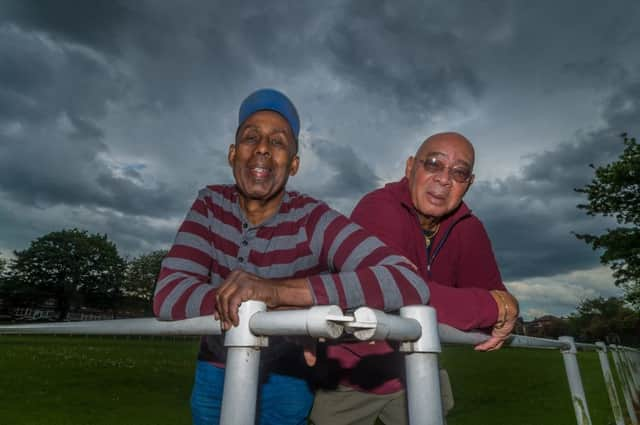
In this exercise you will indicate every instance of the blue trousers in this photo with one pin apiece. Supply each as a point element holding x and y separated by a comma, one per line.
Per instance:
<point>282,399</point>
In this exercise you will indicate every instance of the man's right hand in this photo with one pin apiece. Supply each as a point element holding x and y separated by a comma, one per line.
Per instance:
<point>241,286</point>
<point>238,287</point>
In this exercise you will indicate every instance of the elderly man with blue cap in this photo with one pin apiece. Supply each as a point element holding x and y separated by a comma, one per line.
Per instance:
<point>254,240</point>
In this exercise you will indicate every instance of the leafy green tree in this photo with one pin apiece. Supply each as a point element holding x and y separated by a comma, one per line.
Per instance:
<point>4,286</point>
<point>12,292</point>
<point>615,192</point>
<point>596,319</point>
<point>73,267</point>
<point>140,279</point>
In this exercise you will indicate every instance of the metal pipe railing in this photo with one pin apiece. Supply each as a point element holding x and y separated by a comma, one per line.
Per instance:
<point>575,381</point>
<point>610,384</point>
<point>416,327</point>
<point>625,381</point>
<point>204,325</point>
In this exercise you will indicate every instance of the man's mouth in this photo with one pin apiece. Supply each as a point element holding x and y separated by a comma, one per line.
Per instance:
<point>260,172</point>
<point>437,197</point>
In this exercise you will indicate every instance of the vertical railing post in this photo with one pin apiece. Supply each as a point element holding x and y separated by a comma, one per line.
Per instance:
<point>421,363</point>
<point>609,383</point>
<point>634,360</point>
<point>626,387</point>
<point>575,381</point>
<point>634,379</point>
<point>242,369</point>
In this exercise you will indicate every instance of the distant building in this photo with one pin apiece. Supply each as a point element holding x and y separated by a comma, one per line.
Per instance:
<point>547,326</point>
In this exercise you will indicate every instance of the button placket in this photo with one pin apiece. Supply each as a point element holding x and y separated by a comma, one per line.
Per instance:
<point>244,248</point>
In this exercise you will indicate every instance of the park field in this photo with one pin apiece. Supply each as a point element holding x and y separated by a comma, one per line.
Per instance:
<point>54,380</point>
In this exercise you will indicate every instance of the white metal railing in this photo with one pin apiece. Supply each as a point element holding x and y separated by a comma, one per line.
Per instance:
<point>416,327</point>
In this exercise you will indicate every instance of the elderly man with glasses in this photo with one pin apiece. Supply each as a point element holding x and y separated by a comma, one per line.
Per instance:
<point>423,216</point>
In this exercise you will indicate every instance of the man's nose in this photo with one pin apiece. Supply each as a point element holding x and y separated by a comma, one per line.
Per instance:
<point>444,176</point>
<point>263,147</point>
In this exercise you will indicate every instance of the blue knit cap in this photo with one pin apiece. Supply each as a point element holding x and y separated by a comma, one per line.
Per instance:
<point>270,100</point>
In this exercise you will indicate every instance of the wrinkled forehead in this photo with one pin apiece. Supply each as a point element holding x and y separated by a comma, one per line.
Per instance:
<point>451,149</point>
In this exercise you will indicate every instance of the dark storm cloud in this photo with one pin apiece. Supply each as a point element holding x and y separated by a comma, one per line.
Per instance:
<point>68,61</point>
<point>42,79</point>
<point>403,53</point>
<point>76,176</point>
<point>600,69</point>
<point>350,177</point>
<point>532,217</point>
<point>51,106</point>
<point>93,23</point>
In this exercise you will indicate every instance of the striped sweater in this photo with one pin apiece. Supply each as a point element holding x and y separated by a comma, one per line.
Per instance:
<point>343,263</point>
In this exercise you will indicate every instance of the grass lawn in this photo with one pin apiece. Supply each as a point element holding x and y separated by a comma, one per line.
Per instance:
<point>521,386</point>
<point>78,380</point>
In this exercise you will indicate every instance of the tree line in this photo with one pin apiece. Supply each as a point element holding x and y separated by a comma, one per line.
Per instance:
<point>79,270</point>
<point>609,320</point>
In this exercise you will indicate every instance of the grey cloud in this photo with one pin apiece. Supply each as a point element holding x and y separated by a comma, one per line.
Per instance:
<point>531,235</point>
<point>135,235</point>
<point>403,54</point>
<point>350,177</point>
<point>601,69</point>
<point>52,155</point>
<point>20,224</point>
<point>622,111</point>
<point>48,79</point>
<point>562,293</point>
<point>93,23</point>
<point>531,216</point>
<point>63,171</point>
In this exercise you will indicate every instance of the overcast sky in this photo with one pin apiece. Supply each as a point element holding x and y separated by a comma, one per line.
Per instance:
<point>113,114</point>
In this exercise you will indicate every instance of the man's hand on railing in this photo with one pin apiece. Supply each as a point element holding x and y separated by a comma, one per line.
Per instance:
<point>508,311</point>
<point>242,286</point>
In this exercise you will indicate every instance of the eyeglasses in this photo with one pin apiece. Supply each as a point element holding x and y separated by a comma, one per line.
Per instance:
<point>433,165</point>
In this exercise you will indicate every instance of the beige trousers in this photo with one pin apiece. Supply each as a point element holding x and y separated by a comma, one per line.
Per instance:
<point>346,406</point>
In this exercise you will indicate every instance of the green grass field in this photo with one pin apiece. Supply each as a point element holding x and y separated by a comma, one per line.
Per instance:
<point>77,380</point>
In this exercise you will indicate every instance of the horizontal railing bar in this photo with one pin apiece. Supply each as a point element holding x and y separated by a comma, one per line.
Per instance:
<point>318,321</point>
<point>452,335</point>
<point>586,346</point>
<point>196,326</point>
<point>207,325</point>
<point>375,325</point>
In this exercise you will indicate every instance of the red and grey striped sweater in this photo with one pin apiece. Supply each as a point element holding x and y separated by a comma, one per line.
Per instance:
<point>344,264</point>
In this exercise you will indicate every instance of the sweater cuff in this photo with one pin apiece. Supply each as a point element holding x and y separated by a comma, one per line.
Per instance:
<point>488,309</point>
<point>318,291</point>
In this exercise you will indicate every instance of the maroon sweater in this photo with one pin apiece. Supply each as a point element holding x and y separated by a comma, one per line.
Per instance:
<point>460,270</point>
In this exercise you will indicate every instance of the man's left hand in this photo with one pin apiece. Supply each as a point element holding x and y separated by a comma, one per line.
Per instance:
<point>508,311</point>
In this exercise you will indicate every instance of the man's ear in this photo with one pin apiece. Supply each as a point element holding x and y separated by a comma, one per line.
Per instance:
<point>471,180</point>
<point>232,154</point>
<point>295,164</point>
<point>409,167</point>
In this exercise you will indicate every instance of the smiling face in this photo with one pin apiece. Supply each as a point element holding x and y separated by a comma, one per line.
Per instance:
<point>435,192</point>
<point>263,158</point>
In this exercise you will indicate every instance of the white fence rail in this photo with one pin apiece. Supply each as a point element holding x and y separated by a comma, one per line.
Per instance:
<point>416,327</point>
